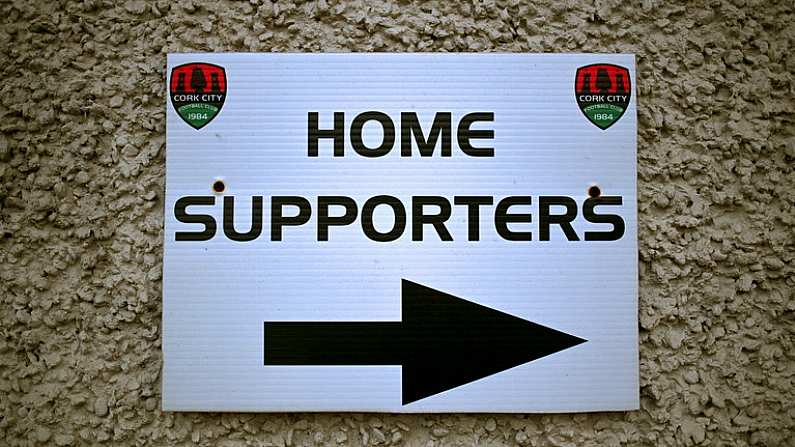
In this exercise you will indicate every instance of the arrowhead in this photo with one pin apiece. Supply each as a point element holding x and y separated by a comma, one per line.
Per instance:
<point>449,341</point>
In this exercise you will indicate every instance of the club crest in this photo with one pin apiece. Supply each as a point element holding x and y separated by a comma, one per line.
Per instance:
<point>197,92</point>
<point>603,92</point>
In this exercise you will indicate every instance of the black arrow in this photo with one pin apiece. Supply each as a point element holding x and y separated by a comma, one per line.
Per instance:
<point>443,342</point>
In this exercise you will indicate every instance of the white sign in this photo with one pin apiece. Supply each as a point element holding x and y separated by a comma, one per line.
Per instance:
<point>400,233</point>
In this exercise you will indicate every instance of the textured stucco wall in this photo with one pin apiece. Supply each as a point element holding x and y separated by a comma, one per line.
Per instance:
<point>82,127</point>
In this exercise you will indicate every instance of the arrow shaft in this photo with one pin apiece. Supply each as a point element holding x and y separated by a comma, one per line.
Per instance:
<point>332,343</point>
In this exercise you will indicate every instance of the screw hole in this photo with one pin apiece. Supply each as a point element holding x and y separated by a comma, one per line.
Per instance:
<point>594,191</point>
<point>218,186</point>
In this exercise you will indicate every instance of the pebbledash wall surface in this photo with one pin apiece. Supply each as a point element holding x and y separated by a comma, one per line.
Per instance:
<point>82,105</point>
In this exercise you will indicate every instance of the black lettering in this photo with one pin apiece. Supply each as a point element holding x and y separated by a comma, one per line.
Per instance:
<point>502,218</point>
<point>564,220</point>
<point>278,220</point>
<point>419,218</point>
<point>356,134</point>
<point>324,221</point>
<point>590,215</point>
<point>465,134</point>
<point>473,204</point>
<point>180,212</point>
<point>337,133</point>
<point>367,218</point>
<point>410,126</point>
<point>229,220</point>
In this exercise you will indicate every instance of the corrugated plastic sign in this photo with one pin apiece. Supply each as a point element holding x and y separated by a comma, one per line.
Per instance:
<point>400,233</point>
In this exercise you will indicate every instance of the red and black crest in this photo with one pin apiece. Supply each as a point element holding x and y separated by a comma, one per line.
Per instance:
<point>197,91</point>
<point>603,92</point>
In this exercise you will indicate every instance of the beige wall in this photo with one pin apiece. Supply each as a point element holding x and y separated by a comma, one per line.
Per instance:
<point>81,187</point>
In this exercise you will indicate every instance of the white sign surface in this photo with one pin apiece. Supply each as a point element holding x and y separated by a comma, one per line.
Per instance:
<point>400,233</point>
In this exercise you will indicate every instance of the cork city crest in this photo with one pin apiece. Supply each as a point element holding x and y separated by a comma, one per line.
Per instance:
<point>603,92</point>
<point>197,92</point>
